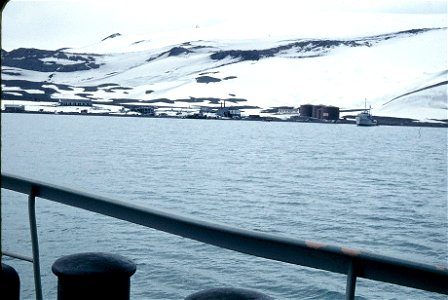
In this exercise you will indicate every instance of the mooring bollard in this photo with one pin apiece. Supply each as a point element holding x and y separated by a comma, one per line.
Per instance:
<point>93,276</point>
<point>10,283</point>
<point>228,294</point>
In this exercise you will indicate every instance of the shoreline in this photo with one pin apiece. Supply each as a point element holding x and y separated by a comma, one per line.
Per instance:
<point>382,121</point>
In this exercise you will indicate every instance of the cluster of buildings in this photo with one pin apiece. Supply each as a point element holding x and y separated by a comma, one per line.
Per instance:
<point>319,112</point>
<point>306,112</point>
<point>311,112</point>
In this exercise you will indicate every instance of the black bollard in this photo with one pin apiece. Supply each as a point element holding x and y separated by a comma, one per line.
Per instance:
<point>228,294</point>
<point>93,276</point>
<point>10,283</point>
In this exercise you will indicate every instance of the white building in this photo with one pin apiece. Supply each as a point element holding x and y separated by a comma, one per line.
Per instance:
<point>75,102</point>
<point>14,108</point>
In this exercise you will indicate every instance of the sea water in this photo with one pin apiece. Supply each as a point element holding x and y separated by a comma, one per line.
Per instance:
<point>381,189</point>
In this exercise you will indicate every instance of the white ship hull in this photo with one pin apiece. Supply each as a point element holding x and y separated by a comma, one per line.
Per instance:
<point>365,119</point>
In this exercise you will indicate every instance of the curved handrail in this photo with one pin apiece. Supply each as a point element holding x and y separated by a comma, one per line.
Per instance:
<point>341,260</point>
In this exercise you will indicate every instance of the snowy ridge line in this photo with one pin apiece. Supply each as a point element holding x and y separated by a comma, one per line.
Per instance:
<point>190,46</point>
<point>310,44</point>
<point>419,90</point>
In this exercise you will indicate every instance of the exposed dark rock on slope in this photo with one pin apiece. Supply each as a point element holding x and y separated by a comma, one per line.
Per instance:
<point>47,60</point>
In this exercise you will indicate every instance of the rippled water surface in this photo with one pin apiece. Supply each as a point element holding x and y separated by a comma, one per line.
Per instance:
<point>382,189</point>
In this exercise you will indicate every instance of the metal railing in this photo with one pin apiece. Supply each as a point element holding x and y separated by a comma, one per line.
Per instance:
<point>354,263</point>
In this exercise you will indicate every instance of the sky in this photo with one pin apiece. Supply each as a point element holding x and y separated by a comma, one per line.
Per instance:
<point>69,23</point>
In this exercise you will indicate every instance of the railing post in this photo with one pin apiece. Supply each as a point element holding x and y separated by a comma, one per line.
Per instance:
<point>228,294</point>
<point>351,281</point>
<point>34,240</point>
<point>10,283</point>
<point>93,275</point>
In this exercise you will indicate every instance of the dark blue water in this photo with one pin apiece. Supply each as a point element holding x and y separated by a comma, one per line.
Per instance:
<point>382,189</point>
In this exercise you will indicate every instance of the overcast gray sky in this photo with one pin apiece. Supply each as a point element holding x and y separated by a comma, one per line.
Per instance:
<point>65,23</point>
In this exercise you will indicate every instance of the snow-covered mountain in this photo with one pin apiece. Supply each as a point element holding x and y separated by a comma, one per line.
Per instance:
<point>400,74</point>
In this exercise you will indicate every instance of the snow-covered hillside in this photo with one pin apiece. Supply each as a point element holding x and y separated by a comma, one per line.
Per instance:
<point>400,74</point>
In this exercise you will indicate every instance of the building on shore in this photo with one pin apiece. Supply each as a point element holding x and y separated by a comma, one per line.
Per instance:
<point>306,110</point>
<point>320,112</point>
<point>75,102</point>
<point>229,112</point>
<point>147,110</point>
<point>14,108</point>
<point>287,110</point>
<point>330,113</point>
